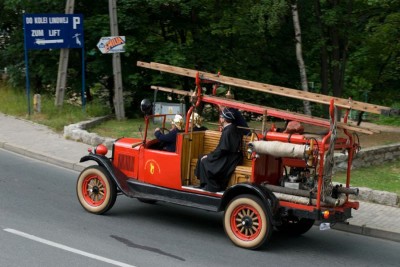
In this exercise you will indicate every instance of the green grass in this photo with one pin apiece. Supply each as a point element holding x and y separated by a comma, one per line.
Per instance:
<point>116,129</point>
<point>392,120</point>
<point>385,177</point>
<point>14,102</point>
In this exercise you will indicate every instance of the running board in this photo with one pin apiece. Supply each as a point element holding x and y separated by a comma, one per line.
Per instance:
<point>183,198</point>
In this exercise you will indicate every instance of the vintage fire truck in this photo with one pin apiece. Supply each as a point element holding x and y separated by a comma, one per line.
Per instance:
<point>284,182</point>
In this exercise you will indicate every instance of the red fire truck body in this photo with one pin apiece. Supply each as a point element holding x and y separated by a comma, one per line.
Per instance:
<point>273,189</point>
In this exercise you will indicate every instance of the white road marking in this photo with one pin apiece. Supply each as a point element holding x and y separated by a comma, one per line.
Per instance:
<point>60,246</point>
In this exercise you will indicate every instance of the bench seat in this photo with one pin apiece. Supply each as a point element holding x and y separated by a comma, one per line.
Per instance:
<point>241,174</point>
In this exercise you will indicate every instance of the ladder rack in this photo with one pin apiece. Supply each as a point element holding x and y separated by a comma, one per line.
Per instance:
<point>272,89</point>
<point>274,112</point>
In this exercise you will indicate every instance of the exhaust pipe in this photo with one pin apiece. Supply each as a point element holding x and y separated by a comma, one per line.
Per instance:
<point>303,196</point>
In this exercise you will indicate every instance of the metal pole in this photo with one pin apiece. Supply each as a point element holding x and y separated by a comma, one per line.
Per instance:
<point>28,93</point>
<point>83,97</point>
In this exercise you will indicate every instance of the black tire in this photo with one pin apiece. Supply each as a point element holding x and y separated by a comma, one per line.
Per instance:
<point>295,226</point>
<point>95,190</point>
<point>246,222</point>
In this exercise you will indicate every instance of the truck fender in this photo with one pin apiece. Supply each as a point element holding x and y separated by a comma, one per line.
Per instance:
<point>118,177</point>
<point>266,196</point>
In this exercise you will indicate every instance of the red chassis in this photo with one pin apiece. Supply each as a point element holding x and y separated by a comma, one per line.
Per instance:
<point>273,189</point>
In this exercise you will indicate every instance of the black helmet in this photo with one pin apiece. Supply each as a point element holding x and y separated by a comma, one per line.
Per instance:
<point>146,107</point>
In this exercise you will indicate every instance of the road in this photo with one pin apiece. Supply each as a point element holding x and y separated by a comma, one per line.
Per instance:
<point>42,224</point>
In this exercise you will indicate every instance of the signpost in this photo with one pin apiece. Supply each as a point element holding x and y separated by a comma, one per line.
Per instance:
<point>111,44</point>
<point>53,31</point>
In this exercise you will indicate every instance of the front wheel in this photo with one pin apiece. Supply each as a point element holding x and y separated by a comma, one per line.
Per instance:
<point>246,222</point>
<point>95,190</point>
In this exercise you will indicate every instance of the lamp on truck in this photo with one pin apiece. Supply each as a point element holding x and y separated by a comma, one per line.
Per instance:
<point>99,150</point>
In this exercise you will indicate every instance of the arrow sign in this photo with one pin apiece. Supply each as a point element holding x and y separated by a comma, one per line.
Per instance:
<point>111,44</point>
<point>43,42</point>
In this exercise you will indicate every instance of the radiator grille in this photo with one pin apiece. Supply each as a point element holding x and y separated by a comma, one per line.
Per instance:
<point>125,162</point>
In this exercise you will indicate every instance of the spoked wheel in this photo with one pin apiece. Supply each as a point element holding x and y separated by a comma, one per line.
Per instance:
<point>246,222</point>
<point>95,190</point>
<point>295,226</point>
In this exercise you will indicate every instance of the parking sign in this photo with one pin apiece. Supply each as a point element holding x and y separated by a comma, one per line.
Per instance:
<point>53,31</point>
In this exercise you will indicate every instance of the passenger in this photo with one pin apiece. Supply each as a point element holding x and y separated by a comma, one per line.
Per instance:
<point>169,139</point>
<point>240,120</point>
<point>215,169</point>
<point>198,120</point>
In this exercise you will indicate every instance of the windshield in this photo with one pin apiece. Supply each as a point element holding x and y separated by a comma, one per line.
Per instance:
<point>153,122</point>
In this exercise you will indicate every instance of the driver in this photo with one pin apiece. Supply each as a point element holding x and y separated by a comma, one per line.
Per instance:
<point>169,139</point>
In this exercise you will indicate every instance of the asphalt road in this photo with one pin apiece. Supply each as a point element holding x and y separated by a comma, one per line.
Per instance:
<point>42,224</point>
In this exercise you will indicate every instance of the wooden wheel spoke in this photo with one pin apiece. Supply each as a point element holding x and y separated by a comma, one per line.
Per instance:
<point>251,231</point>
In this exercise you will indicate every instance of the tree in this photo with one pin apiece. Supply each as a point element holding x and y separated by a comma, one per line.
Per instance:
<point>299,55</point>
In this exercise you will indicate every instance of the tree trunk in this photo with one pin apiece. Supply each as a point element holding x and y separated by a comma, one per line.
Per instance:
<point>324,67</point>
<point>299,55</point>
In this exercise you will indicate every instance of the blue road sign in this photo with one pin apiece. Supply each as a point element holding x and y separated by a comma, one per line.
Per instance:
<point>53,31</point>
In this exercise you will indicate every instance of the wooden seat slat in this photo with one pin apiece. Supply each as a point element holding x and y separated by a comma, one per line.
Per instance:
<point>242,172</point>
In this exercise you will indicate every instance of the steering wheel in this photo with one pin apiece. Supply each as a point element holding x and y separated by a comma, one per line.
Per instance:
<point>164,130</point>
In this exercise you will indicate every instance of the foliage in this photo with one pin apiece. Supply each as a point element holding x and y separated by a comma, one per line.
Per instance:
<point>350,47</point>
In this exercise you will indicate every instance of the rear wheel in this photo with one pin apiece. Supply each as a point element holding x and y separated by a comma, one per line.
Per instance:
<point>95,190</point>
<point>295,226</point>
<point>246,222</point>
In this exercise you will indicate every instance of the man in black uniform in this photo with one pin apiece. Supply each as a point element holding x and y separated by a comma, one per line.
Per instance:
<point>215,169</point>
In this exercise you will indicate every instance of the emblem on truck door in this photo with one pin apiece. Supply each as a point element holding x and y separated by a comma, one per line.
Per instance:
<point>151,166</point>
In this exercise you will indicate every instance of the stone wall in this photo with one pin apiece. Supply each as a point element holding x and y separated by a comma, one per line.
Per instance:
<point>369,157</point>
<point>78,132</point>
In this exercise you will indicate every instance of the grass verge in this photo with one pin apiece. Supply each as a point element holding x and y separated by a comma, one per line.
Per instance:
<point>14,102</point>
<point>385,177</point>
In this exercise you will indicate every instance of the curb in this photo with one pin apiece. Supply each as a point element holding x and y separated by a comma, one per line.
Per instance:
<point>367,231</point>
<point>42,157</point>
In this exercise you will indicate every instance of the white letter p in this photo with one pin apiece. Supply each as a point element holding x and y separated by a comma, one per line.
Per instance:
<point>76,21</point>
